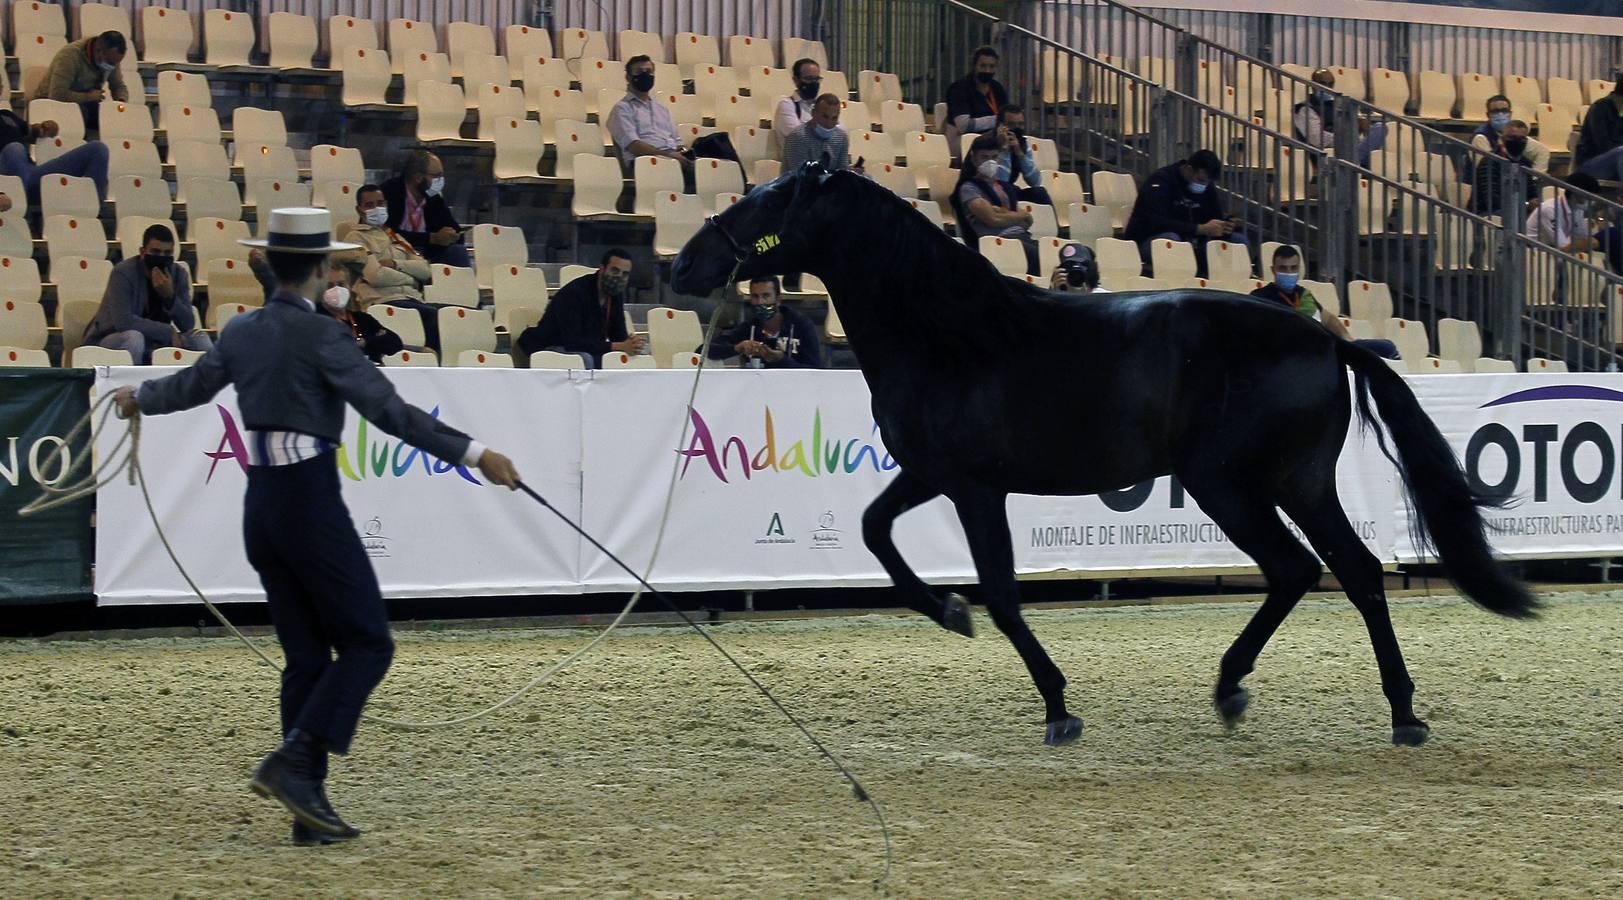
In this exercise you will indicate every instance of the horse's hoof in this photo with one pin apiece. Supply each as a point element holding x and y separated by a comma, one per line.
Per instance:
<point>1410,735</point>
<point>1064,731</point>
<point>1232,708</point>
<point>955,615</point>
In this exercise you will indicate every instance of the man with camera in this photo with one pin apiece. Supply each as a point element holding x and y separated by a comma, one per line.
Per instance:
<point>1077,272</point>
<point>1015,155</point>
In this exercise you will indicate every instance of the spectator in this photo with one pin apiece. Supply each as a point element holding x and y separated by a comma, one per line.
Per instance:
<point>1562,222</point>
<point>88,160</point>
<point>1016,154</point>
<point>795,110</point>
<point>820,137</point>
<point>641,125</point>
<point>86,72</point>
<point>1178,203</point>
<point>1488,193</point>
<point>418,211</point>
<point>587,316</point>
<point>772,335</point>
<point>148,303</point>
<point>1486,137</point>
<point>1600,138</point>
<point>986,203</point>
<point>385,268</point>
<point>1313,120</point>
<point>374,340</point>
<point>974,100</point>
<point>1077,272</point>
<point>1286,289</point>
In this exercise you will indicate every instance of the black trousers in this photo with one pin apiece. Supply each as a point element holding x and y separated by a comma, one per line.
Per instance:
<point>324,597</point>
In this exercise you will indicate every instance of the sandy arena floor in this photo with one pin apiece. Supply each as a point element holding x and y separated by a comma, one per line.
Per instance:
<point>652,770</point>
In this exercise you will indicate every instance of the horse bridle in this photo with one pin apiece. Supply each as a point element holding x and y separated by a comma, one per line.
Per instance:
<point>739,252</point>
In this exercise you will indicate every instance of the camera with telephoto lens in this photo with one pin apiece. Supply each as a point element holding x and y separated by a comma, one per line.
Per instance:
<point>1080,268</point>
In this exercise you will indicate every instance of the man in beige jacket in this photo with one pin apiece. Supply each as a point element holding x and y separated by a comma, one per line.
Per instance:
<point>385,268</point>
<point>86,72</point>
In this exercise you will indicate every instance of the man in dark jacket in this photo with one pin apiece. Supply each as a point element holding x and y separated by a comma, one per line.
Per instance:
<point>1179,203</point>
<point>973,101</point>
<point>1489,177</point>
<point>1600,138</point>
<point>772,335</point>
<point>148,303</point>
<point>588,315</point>
<point>418,211</point>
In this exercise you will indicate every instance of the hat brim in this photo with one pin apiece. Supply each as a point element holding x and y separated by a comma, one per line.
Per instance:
<point>334,247</point>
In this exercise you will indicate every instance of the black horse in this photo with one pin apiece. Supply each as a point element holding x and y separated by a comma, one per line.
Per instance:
<point>985,386</point>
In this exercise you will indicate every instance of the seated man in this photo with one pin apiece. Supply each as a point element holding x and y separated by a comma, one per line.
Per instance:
<point>641,125</point>
<point>821,136</point>
<point>1486,137</point>
<point>587,316</point>
<point>1011,133</point>
<point>370,335</point>
<point>974,100</point>
<point>1600,137</point>
<point>1488,181</point>
<point>1286,289</point>
<point>985,203</point>
<point>1562,222</point>
<point>771,335</point>
<point>88,160</point>
<point>148,303</point>
<point>1313,120</point>
<point>86,72</point>
<point>1077,272</point>
<point>418,211</point>
<point>1177,203</point>
<point>795,110</point>
<point>385,268</point>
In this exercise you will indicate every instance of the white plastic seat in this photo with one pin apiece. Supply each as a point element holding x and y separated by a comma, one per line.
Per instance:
<point>497,101</point>
<point>1437,95</point>
<point>517,287</point>
<point>22,324</point>
<point>717,176</point>
<point>329,162</point>
<point>483,359</point>
<point>1088,222</point>
<point>519,148</point>
<point>293,40</point>
<point>228,37</point>
<point>633,43</point>
<point>452,286</point>
<point>751,144</point>
<point>259,161</point>
<point>597,186</point>
<point>597,76</point>
<point>33,17</point>
<point>346,33</point>
<point>34,54</point>
<point>561,105</point>
<point>541,77</point>
<point>1474,90</point>
<point>521,43</point>
<point>408,38</point>
<point>366,76</point>
<point>682,107</point>
<point>166,35</point>
<point>1324,292</point>
<point>1118,260</point>
<point>411,358</point>
<point>275,193</point>
<point>744,51</point>
<point>1044,221</point>
<point>419,67</point>
<point>481,69</point>
<point>923,149</point>
<point>873,147</point>
<point>1523,93</point>
<point>677,218</point>
<point>1007,255</point>
<point>553,360</point>
<point>798,48</point>
<point>217,239</point>
<point>15,238</point>
<point>21,358</point>
<point>125,121</point>
<point>209,197</point>
<point>463,329</point>
<point>620,360</point>
<point>232,281</point>
<point>90,356</point>
<point>175,356</point>
<point>463,38</point>
<point>1370,301</point>
<point>65,195</point>
<point>1542,366</point>
<point>75,236</point>
<point>673,331</point>
<point>19,279</point>
<point>1459,340</point>
<point>583,43</point>
<point>188,124</point>
<point>80,279</point>
<point>1228,261</point>
<point>441,109</point>
<point>653,175</point>
<point>733,111</point>
<point>1487,365</point>
<point>574,139</point>
<point>1172,260</point>
<point>407,324</point>
<point>70,121</point>
<point>899,118</point>
<point>128,158</point>
<point>253,127</point>
<point>497,247</point>
<point>1411,340</point>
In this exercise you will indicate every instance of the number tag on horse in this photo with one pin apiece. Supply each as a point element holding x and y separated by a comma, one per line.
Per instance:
<point>766,243</point>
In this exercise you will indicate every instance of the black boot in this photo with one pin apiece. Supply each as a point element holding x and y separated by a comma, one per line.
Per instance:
<point>303,836</point>
<point>290,776</point>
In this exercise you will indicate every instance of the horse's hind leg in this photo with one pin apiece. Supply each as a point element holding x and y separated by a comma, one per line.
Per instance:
<point>986,524</point>
<point>1327,529</point>
<point>905,492</point>
<point>1251,522</point>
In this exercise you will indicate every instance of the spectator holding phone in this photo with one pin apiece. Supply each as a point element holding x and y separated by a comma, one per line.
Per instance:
<point>820,138</point>
<point>1180,203</point>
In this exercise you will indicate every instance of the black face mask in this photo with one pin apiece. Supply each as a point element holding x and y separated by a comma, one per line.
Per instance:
<point>763,313</point>
<point>1515,147</point>
<point>985,77</point>
<point>808,89</point>
<point>643,81</point>
<point>156,262</point>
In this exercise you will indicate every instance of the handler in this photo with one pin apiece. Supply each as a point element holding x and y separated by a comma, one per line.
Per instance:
<point>294,369</point>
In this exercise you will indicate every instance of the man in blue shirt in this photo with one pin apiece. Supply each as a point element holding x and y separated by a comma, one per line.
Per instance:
<point>1016,154</point>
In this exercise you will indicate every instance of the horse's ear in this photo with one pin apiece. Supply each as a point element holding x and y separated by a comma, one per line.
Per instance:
<point>817,167</point>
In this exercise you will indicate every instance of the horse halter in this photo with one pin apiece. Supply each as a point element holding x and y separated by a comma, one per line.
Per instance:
<point>739,253</point>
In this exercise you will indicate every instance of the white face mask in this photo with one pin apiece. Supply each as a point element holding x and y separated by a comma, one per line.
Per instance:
<point>435,186</point>
<point>376,216</point>
<point>336,298</point>
<point>106,67</point>
<point>991,170</point>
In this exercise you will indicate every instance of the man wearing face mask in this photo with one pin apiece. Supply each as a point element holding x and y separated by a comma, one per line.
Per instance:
<point>1015,155</point>
<point>974,100</point>
<point>641,125</point>
<point>1180,202</point>
<point>1486,137</point>
<point>418,211</point>
<point>587,316</point>
<point>986,203</point>
<point>1487,193</point>
<point>820,138</point>
<point>1563,222</point>
<point>148,303</point>
<point>86,72</point>
<point>795,110</point>
<point>1286,289</point>
<point>771,335</point>
<point>1313,120</point>
<point>370,335</point>
<point>384,267</point>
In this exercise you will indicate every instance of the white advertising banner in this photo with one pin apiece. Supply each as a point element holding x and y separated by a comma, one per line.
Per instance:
<point>431,529</point>
<point>1547,443</point>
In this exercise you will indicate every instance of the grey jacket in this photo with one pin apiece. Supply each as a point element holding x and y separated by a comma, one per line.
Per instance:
<point>294,369</point>
<point>125,300</point>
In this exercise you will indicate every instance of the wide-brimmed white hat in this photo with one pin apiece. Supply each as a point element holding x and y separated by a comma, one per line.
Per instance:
<point>299,230</point>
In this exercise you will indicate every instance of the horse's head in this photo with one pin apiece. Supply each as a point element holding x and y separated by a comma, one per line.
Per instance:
<point>771,231</point>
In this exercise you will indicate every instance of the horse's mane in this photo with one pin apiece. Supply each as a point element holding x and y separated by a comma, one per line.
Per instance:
<point>958,298</point>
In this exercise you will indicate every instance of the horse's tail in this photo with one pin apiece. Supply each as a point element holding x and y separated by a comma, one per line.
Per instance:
<point>1442,503</point>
